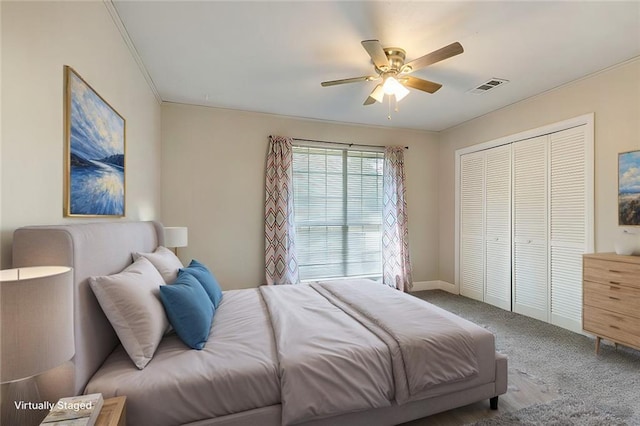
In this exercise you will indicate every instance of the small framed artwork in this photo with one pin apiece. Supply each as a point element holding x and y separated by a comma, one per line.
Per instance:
<point>94,152</point>
<point>629,188</point>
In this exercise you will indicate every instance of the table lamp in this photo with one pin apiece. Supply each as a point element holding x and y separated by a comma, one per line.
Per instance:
<point>36,326</point>
<point>176,236</point>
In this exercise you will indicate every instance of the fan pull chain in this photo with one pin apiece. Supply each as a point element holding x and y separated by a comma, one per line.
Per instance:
<point>396,109</point>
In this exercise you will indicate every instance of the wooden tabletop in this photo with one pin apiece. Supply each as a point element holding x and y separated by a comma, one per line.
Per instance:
<point>113,413</point>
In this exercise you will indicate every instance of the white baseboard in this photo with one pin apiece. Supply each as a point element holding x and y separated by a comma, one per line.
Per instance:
<point>435,285</point>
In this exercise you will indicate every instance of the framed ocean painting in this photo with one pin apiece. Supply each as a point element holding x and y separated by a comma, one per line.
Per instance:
<point>94,154</point>
<point>629,188</point>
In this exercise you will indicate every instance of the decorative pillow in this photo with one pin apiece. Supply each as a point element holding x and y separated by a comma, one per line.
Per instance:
<point>130,300</point>
<point>189,310</point>
<point>206,278</point>
<point>165,261</point>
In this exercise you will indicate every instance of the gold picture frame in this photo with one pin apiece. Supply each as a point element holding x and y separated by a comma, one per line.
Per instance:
<point>95,152</point>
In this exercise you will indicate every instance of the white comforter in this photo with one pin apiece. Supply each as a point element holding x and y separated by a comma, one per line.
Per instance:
<point>353,345</point>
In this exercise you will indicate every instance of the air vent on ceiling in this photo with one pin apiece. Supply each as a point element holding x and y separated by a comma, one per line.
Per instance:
<point>488,85</point>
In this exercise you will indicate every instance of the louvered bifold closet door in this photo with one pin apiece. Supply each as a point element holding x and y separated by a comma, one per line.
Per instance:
<point>472,167</point>
<point>530,248</point>
<point>497,289</point>
<point>568,225</point>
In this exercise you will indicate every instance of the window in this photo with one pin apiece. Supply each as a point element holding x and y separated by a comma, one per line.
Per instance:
<point>338,212</point>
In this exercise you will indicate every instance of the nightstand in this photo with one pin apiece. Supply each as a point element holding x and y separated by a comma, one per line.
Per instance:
<point>114,412</point>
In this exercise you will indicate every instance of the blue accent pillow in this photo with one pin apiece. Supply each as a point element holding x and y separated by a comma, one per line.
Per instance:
<point>188,309</point>
<point>206,278</point>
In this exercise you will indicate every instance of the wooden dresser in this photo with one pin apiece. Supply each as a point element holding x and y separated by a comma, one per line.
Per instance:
<point>611,298</point>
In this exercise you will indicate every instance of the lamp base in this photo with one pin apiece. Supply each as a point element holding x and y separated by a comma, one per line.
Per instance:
<point>22,404</point>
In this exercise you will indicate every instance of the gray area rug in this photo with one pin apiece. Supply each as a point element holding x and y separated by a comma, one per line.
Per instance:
<point>561,412</point>
<point>595,390</point>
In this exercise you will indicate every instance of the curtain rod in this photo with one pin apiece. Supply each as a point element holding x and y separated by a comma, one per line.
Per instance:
<point>341,143</point>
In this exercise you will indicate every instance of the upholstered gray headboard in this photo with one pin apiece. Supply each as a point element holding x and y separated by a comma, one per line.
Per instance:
<point>90,249</point>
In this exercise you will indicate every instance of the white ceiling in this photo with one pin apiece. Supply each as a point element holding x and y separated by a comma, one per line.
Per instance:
<point>271,56</point>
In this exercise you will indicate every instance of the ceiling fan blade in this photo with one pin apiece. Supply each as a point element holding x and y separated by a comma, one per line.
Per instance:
<point>420,84</point>
<point>375,50</point>
<point>377,95</point>
<point>348,80</point>
<point>369,101</point>
<point>436,56</point>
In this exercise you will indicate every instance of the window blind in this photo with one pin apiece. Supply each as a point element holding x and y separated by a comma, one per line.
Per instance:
<point>338,212</point>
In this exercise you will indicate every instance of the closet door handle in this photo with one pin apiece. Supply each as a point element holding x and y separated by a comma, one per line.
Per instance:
<point>613,298</point>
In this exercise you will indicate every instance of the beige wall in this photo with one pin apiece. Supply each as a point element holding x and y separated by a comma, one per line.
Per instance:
<point>38,39</point>
<point>614,97</point>
<point>213,171</point>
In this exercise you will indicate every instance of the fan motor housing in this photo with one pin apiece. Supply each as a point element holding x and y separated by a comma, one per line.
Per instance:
<point>396,57</point>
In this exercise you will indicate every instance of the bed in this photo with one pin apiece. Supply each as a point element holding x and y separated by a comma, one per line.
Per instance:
<point>325,353</point>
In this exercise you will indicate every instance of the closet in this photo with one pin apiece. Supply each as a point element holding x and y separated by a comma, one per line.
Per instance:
<point>525,217</point>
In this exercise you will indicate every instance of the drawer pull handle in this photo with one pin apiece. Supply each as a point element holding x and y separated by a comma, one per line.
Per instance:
<point>614,327</point>
<point>614,271</point>
<point>614,282</point>
<point>613,298</point>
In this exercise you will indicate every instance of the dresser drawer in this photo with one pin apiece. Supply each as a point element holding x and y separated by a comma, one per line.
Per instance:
<point>624,300</point>
<point>619,328</point>
<point>615,273</point>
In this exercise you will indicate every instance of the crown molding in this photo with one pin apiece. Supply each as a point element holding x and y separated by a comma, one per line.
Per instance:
<point>134,53</point>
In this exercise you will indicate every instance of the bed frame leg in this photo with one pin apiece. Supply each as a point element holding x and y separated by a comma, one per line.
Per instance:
<point>493,403</point>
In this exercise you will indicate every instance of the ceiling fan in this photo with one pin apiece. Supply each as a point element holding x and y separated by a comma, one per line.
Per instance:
<point>390,68</point>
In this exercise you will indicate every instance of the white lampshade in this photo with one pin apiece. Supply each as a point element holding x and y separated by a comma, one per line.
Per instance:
<point>392,86</point>
<point>378,93</point>
<point>36,314</point>
<point>176,236</point>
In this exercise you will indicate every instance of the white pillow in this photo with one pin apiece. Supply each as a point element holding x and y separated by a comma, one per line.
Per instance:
<point>131,302</point>
<point>165,261</point>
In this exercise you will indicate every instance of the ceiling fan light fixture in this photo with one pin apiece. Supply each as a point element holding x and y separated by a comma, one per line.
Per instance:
<point>378,93</point>
<point>392,86</point>
<point>388,63</point>
<point>400,94</point>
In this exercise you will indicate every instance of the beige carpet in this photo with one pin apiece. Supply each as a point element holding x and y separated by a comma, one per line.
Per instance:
<point>593,390</point>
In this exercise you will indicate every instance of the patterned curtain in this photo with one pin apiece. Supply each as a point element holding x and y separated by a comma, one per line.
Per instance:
<point>280,233</point>
<point>396,265</point>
